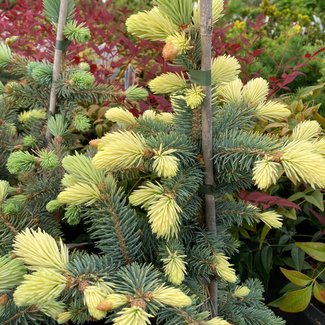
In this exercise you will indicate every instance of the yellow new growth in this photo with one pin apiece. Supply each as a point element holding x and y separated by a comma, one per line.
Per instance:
<point>164,164</point>
<point>121,116</point>
<point>164,217</point>
<point>224,268</point>
<point>4,187</point>
<point>152,115</point>
<point>194,96</point>
<point>266,172</point>
<point>180,41</point>
<point>41,286</point>
<point>272,111</point>
<point>171,297</point>
<point>68,180</point>
<point>146,194</point>
<point>37,249</point>
<point>302,163</point>
<point>231,92</point>
<point>271,219</point>
<point>307,130</point>
<point>225,69</point>
<point>92,298</point>
<point>167,83</point>
<point>255,91</point>
<point>112,301</point>
<point>78,194</point>
<point>151,25</point>
<point>120,150</point>
<point>174,267</point>
<point>217,321</point>
<point>132,315</point>
<point>64,317</point>
<point>241,292</point>
<point>52,308</point>
<point>319,146</point>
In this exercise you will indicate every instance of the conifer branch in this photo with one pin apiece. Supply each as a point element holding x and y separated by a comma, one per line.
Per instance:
<point>206,41</point>
<point>28,310</point>
<point>119,234</point>
<point>9,225</point>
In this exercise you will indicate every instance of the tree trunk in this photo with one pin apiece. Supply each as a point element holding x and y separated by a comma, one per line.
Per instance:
<point>58,54</point>
<point>210,213</point>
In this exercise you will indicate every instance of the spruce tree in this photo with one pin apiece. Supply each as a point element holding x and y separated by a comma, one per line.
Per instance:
<point>139,190</point>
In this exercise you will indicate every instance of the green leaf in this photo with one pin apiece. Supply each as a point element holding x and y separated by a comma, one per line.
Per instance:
<point>298,257</point>
<point>290,214</point>
<point>309,91</point>
<point>244,233</point>
<point>319,292</point>
<point>315,250</point>
<point>264,233</point>
<point>316,199</point>
<point>276,303</point>
<point>289,287</point>
<point>266,258</point>
<point>296,277</point>
<point>296,196</point>
<point>296,301</point>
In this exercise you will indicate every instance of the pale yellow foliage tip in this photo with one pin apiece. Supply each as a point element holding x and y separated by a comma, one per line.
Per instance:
<point>164,217</point>
<point>272,111</point>
<point>224,268</point>
<point>241,292</point>
<point>120,150</point>
<point>217,321</point>
<point>132,315</point>
<point>151,25</point>
<point>255,92</point>
<point>231,92</point>
<point>41,286</point>
<point>165,164</point>
<point>225,69</point>
<point>266,172</point>
<point>79,193</point>
<point>168,83</point>
<point>92,298</point>
<point>121,116</point>
<point>113,301</point>
<point>194,96</point>
<point>171,297</point>
<point>146,194</point>
<point>38,249</point>
<point>271,219</point>
<point>302,163</point>
<point>307,130</point>
<point>175,267</point>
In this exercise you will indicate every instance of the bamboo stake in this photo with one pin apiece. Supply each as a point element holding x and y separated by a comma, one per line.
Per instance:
<point>58,54</point>
<point>210,213</point>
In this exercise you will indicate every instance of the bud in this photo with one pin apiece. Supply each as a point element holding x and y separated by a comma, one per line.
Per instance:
<point>92,298</point>
<point>241,292</point>
<point>113,301</point>
<point>170,51</point>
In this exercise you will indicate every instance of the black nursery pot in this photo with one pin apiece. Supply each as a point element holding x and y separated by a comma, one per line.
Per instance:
<point>314,315</point>
<point>311,316</point>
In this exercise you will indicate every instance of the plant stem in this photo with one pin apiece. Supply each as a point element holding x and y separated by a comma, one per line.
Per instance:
<point>319,274</point>
<point>58,54</point>
<point>210,213</point>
